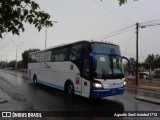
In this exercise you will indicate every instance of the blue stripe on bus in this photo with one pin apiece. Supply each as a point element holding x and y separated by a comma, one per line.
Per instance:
<point>50,84</point>
<point>55,86</point>
<point>99,93</point>
<point>78,92</point>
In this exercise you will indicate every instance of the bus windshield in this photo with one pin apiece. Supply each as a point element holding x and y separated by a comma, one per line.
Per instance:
<point>109,62</point>
<point>108,67</point>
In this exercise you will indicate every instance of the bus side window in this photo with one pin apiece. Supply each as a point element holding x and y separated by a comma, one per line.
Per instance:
<point>33,58</point>
<point>48,55</point>
<point>37,57</point>
<point>42,57</point>
<point>55,55</point>
<point>75,52</point>
<point>64,54</point>
<point>30,59</point>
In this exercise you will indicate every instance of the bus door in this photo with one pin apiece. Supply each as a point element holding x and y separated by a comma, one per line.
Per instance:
<point>85,71</point>
<point>85,82</point>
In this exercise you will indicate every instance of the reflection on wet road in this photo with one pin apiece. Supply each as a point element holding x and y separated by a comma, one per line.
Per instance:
<point>43,98</point>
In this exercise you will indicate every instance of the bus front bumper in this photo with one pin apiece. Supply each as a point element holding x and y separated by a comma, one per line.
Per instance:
<point>106,92</point>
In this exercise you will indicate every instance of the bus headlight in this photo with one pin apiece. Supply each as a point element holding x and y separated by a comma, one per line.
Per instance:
<point>97,85</point>
<point>125,83</point>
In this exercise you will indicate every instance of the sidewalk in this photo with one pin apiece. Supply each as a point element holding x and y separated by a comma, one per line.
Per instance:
<point>12,102</point>
<point>2,98</point>
<point>148,96</point>
<point>145,87</point>
<point>7,103</point>
<point>147,99</point>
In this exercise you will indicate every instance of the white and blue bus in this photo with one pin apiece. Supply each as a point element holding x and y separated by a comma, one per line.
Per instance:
<point>86,68</point>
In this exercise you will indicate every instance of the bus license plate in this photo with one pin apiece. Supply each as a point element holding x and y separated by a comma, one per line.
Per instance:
<point>114,91</point>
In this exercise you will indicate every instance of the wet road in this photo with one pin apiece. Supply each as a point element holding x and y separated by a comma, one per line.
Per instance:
<point>42,98</point>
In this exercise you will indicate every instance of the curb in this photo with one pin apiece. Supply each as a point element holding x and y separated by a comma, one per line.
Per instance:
<point>2,101</point>
<point>144,88</point>
<point>2,98</point>
<point>150,100</point>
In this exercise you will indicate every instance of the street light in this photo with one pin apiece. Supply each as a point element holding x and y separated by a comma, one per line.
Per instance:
<point>17,45</point>
<point>6,56</point>
<point>137,39</point>
<point>1,60</point>
<point>145,26</point>
<point>46,34</point>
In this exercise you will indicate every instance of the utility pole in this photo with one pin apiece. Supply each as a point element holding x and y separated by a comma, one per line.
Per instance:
<point>1,61</point>
<point>46,37</point>
<point>16,52</point>
<point>6,57</point>
<point>6,60</point>
<point>137,31</point>
<point>45,45</point>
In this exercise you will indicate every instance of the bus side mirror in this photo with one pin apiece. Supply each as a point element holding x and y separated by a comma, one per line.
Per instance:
<point>129,62</point>
<point>94,60</point>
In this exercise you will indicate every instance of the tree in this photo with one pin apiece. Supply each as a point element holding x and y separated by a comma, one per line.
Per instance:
<point>13,13</point>
<point>20,64</point>
<point>150,62</point>
<point>133,62</point>
<point>122,1</point>
<point>12,64</point>
<point>3,64</point>
<point>25,56</point>
<point>157,61</point>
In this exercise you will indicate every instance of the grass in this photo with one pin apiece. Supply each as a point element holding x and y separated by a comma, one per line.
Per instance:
<point>153,82</point>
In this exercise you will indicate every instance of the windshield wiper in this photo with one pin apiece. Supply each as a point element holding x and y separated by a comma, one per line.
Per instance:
<point>106,76</point>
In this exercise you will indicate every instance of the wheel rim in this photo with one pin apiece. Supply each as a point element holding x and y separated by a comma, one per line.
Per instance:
<point>35,80</point>
<point>70,89</point>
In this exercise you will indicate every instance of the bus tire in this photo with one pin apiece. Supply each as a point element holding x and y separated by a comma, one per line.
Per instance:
<point>35,79</point>
<point>69,89</point>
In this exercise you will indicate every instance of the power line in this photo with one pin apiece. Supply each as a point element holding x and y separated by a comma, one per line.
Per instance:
<point>120,31</point>
<point>143,43</point>
<point>149,25</point>
<point>117,33</point>
<point>108,10</point>
<point>129,18</point>
<point>132,55</point>
<point>129,41</point>
<point>155,27</point>
<point>150,21</point>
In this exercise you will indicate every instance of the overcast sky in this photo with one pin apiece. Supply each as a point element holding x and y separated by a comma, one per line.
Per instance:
<point>88,19</point>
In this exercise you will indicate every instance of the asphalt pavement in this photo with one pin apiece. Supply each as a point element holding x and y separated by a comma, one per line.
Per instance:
<point>147,93</point>
<point>19,94</point>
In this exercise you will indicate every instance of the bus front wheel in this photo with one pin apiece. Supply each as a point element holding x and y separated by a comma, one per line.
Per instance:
<point>69,89</point>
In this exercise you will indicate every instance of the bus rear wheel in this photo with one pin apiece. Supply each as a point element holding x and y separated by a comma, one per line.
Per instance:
<point>35,79</point>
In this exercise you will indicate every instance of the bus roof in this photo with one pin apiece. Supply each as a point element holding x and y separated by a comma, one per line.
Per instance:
<point>65,44</point>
